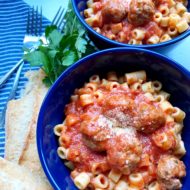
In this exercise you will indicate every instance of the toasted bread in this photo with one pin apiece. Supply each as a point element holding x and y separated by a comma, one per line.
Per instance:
<point>15,177</point>
<point>18,118</point>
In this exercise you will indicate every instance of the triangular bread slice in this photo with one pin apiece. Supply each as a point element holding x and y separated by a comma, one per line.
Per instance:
<point>15,177</point>
<point>18,118</point>
<point>29,157</point>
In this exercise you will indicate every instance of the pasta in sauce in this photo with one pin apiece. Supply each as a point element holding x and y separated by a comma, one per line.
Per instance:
<point>138,21</point>
<point>122,133</point>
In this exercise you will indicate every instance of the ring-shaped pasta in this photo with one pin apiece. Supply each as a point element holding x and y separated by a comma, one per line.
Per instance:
<point>95,79</point>
<point>64,140</point>
<point>125,86</point>
<point>166,95</point>
<point>136,179</point>
<point>88,12</point>
<point>178,114</point>
<point>172,31</point>
<point>157,17</point>
<point>154,186</point>
<point>82,180</point>
<point>58,129</point>
<point>100,181</point>
<point>164,10</point>
<point>180,8</point>
<point>86,99</point>
<point>112,76</point>
<point>71,119</point>
<point>153,39</point>
<point>178,128</point>
<point>166,107</point>
<point>174,19</point>
<point>97,29</point>
<point>113,85</point>
<point>69,164</point>
<point>162,141</point>
<point>164,21</point>
<point>74,98</point>
<point>122,184</point>
<point>171,3</point>
<point>62,152</point>
<point>139,76</point>
<point>180,149</point>
<point>157,85</point>
<point>186,16</point>
<point>116,28</point>
<point>104,82</point>
<point>114,175</point>
<point>89,3</point>
<point>165,38</point>
<point>134,41</point>
<point>138,34</point>
<point>96,168</point>
<point>92,86</point>
<point>149,96</point>
<point>111,185</point>
<point>182,26</point>
<point>147,87</point>
<point>98,95</point>
<point>136,86</point>
<point>169,118</point>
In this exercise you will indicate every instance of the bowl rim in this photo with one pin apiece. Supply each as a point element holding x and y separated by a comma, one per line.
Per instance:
<point>119,44</point>
<point>42,111</point>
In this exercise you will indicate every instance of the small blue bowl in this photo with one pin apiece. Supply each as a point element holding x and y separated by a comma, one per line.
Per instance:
<point>103,42</point>
<point>175,80</point>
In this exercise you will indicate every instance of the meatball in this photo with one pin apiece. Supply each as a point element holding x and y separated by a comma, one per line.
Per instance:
<point>140,12</point>
<point>148,118</point>
<point>119,118</point>
<point>124,152</point>
<point>98,128</point>
<point>169,170</point>
<point>113,11</point>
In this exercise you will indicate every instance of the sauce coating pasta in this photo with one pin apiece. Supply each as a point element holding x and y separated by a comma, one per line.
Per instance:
<point>138,21</point>
<point>122,136</point>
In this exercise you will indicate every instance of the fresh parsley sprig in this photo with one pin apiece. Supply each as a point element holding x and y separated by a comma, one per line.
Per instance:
<point>61,48</point>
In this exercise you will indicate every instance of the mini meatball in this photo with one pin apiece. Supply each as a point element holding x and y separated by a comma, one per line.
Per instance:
<point>148,118</point>
<point>124,152</point>
<point>113,11</point>
<point>169,170</point>
<point>140,12</point>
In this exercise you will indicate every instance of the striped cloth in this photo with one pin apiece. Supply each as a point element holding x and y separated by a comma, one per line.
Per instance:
<point>13,19</point>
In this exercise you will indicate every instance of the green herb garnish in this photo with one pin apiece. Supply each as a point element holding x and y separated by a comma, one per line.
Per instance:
<point>61,49</point>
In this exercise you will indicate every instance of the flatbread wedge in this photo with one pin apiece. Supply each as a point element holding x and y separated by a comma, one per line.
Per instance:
<point>18,118</point>
<point>15,177</point>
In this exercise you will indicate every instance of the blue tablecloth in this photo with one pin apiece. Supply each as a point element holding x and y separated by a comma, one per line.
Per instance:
<point>13,19</point>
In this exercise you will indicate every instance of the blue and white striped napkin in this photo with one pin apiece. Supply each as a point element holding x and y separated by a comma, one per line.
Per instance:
<point>13,19</point>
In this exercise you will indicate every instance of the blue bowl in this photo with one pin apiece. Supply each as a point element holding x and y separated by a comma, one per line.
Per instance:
<point>175,80</point>
<point>103,42</point>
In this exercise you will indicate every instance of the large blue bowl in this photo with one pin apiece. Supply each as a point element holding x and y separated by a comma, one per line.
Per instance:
<point>103,42</point>
<point>175,79</point>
